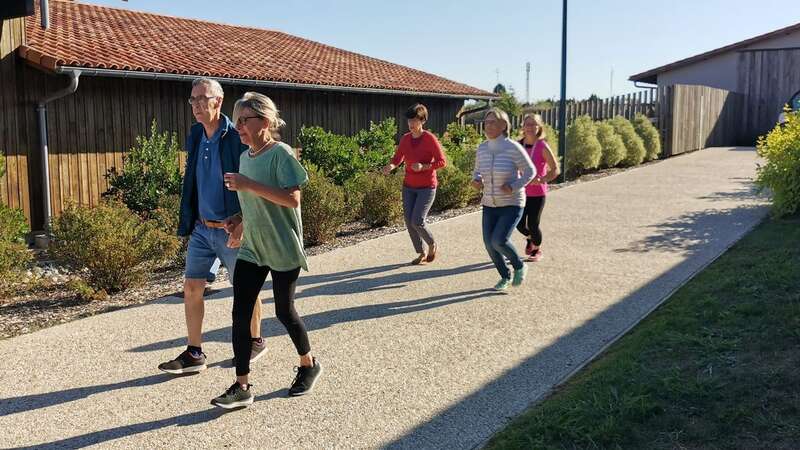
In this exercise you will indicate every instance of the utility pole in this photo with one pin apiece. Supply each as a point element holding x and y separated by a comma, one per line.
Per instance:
<point>528,83</point>
<point>562,109</point>
<point>611,88</point>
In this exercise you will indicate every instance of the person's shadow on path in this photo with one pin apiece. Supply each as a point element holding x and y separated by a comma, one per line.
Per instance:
<point>343,285</point>
<point>184,420</point>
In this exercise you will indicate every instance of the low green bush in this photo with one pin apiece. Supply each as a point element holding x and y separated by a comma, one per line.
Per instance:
<point>323,207</point>
<point>583,148</point>
<point>382,198</point>
<point>780,173</point>
<point>459,144</point>
<point>150,172</point>
<point>377,143</point>
<point>110,246</point>
<point>354,192</point>
<point>649,134</point>
<point>344,157</point>
<point>634,146</point>
<point>613,148</point>
<point>14,254</point>
<point>454,189</point>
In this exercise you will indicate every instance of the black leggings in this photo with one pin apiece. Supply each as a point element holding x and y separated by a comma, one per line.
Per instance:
<point>248,279</point>
<point>531,216</point>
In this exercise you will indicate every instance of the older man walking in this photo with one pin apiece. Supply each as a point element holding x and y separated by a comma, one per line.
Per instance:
<point>213,149</point>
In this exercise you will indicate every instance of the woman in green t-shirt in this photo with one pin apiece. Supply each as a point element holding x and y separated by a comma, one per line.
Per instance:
<point>268,184</point>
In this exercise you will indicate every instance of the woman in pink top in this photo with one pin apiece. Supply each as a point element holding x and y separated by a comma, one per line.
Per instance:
<point>546,164</point>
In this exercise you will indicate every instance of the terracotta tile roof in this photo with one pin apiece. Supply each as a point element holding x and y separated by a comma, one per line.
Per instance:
<point>99,37</point>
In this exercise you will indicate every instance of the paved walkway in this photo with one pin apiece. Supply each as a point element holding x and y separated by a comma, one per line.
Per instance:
<point>415,357</point>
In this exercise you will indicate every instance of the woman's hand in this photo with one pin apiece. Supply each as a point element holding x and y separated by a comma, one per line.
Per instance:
<point>506,188</point>
<point>477,184</point>
<point>235,236</point>
<point>236,182</point>
<point>387,169</point>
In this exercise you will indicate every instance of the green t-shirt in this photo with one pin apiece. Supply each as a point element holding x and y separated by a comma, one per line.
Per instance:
<point>273,234</point>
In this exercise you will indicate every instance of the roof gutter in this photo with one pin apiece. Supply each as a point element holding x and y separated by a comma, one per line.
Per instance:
<point>652,85</point>
<point>260,83</point>
<point>41,113</point>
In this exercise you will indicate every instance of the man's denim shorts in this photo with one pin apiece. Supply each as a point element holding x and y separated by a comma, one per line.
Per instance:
<point>205,245</point>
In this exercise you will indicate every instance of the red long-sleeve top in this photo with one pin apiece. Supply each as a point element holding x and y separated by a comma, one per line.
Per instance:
<point>424,149</point>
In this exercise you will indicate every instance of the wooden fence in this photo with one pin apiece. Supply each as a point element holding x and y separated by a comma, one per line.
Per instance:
<point>695,117</point>
<point>627,105</point>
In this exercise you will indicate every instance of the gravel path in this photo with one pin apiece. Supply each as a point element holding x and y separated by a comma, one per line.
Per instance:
<point>414,357</point>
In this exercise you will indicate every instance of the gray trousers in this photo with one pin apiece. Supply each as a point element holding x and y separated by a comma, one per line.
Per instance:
<point>416,204</point>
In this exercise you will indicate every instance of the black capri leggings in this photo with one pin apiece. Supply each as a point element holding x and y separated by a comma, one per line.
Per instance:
<point>248,279</point>
<point>531,216</point>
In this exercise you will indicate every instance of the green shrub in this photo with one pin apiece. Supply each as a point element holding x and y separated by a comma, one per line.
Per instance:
<point>343,157</point>
<point>354,192</point>
<point>780,148</point>
<point>14,254</point>
<point>583,148</point>
<point>2,165</point>
<point>551,138</point>
<point>382,198</point>
<point>150,173</point>
<point>613,148</point>
<point>508,103</point>
<point>454,189</point>
<point>323,208</point>
<point>377,144</point>
<point>109,245</point>
<point>649,134</point>
<point>634,146</point>
<point>459,144</point>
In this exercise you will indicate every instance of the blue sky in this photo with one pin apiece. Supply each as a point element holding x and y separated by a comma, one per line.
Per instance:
<point>471,41</point>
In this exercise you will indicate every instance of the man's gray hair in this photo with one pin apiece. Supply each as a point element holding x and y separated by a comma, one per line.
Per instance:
<point>214,88</point>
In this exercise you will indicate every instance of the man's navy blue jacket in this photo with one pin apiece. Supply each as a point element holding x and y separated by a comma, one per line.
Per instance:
<point>230,148</point>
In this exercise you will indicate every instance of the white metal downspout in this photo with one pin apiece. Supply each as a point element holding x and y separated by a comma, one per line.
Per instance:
<point>41,112</point>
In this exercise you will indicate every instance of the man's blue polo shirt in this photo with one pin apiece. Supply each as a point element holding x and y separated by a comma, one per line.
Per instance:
<point>210,185</point>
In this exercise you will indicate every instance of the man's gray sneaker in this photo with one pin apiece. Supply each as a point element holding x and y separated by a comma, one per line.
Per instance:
<point>257,350</point>
<point>234,397</point>
<point>305,379</point>
<point>186,362</point>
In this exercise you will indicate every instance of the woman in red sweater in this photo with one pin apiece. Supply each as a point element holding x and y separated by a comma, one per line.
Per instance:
<point>423,154</point>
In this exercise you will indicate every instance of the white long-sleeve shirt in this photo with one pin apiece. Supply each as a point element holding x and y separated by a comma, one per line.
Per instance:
<point>503,161</point>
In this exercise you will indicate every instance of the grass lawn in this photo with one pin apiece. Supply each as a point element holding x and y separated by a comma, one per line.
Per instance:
<point>715,367</point>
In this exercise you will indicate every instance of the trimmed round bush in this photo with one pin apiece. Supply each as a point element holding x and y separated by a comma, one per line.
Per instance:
<point>323,207</point>
<point>583,148</point>
<point>382,197</point>
<point>649,134</point>
<point>613,148</point>
<point>109,245</point>
<point>454,189</point>
<point>634,146</point>
<point>780,148</point>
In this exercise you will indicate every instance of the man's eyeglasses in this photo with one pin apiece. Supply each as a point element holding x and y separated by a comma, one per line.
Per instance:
<point>242,120</point>
<point>200,99</point>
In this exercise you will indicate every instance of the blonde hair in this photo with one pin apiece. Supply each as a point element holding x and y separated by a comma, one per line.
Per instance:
<point>500,115</point>
<point>537,119</point>
<point>263,106</point>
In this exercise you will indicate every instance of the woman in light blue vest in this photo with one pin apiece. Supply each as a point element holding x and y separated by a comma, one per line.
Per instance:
<point>502,170</point>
